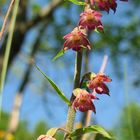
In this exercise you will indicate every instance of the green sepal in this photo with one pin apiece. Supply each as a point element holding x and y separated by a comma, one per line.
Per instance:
<point>51,132</point>
<point>99,31</point>
<point>88,76</point>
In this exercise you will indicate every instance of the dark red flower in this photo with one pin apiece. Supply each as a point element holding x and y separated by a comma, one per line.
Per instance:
<point>45,137</point>
<point>97,83</point>
<point>83,101</point>
<point>76,40</point>
<point>105,5</point>
<point>90,19</point>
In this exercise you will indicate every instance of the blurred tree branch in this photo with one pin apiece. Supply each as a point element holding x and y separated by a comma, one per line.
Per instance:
<point>44,15</point>
<point>14,119</point>
<point>23,27</point>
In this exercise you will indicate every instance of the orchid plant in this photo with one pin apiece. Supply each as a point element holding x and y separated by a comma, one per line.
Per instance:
<point>86,87</point>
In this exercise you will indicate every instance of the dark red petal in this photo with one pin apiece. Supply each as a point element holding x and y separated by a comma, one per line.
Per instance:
<point>102,89</point>
<point>76,48</point>
<point>93,96</point>
<point>93,108</point>
<point>103,78</point>
<point>67,36</point>
<point>91,85</point>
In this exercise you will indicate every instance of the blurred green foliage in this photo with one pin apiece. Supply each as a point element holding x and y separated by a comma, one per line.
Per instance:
<point>2,2</point>
<point>127,127</point>
<point>23,131</point>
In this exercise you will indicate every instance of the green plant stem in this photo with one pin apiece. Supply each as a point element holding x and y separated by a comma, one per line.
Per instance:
<point>71,111</point>
<point>78,65</point>
<point>8,48</point>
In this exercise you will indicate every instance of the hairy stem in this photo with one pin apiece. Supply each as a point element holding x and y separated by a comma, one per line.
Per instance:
<point>71,111</point>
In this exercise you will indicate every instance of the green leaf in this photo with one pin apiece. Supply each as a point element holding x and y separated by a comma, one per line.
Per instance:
<point>59,54</point>
<point>89,129</point>
<point>55,87</point>
<point>36,8</point>
<point>77,2</point>
<point>51,132</point>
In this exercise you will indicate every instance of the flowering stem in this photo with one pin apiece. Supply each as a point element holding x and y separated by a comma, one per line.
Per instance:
<point>89,113</point>
<point>71,111</point>
<point>102,69</point>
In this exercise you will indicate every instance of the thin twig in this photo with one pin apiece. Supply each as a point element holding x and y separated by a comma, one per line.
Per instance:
<point>89,113</point>
<point>6,18</point>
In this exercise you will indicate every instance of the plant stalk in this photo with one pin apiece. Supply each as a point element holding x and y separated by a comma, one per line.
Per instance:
<point>71,111</point>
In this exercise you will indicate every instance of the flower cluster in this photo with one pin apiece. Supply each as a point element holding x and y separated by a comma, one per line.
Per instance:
<point>89,20</point>
<point>84,99</point>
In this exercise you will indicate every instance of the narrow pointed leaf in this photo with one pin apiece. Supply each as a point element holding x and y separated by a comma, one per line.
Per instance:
<point>89,129</point>
<point>51,132</point>
<point>55,87</point>
<point>77,2</point>
<point>59,54</point>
